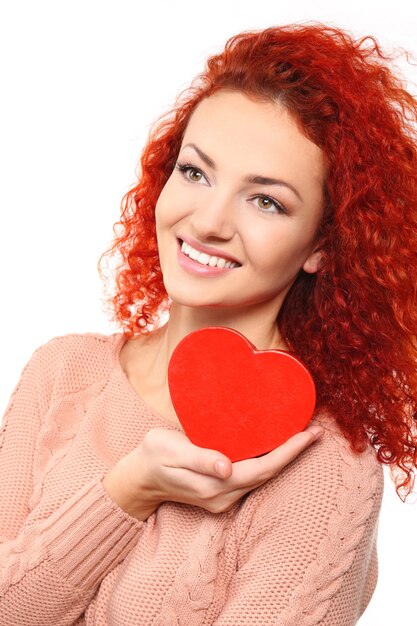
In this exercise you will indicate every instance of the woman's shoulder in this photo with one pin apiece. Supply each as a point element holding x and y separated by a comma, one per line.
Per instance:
<point>73,361</point>
<point>328,476</point>
<point>333,459</point>
<point>334,447</point>
<point>73,345</point>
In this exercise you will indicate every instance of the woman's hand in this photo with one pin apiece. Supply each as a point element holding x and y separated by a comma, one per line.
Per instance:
<point>168,467</point>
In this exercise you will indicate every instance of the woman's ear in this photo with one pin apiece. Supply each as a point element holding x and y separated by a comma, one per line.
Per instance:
<point>313,262</point>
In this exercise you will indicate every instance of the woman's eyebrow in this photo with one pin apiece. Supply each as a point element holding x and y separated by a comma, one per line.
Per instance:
<point>250,178</point>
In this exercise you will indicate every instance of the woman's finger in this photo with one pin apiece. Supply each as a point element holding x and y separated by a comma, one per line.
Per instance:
<point>260,469</point>
<point>180,452</point>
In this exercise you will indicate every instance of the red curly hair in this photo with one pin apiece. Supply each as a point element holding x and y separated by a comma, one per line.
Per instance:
<point>354,322</point>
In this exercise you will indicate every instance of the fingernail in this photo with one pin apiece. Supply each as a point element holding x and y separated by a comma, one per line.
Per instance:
<point>316,431</point>
<point>220,467</point>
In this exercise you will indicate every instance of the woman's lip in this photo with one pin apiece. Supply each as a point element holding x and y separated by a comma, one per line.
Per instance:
<point>195,267</point>
<point>201,247</point>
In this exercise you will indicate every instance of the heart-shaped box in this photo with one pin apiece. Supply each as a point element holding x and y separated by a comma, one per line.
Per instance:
<point>233,398</point>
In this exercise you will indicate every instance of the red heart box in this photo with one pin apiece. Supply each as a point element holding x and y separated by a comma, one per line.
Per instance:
<point>233,398</point>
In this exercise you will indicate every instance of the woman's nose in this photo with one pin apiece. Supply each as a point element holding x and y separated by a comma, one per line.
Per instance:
<point>215,218</point>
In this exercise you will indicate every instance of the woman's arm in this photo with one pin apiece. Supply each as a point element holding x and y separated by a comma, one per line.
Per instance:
<point>50,568</point>
<point>308,557</point>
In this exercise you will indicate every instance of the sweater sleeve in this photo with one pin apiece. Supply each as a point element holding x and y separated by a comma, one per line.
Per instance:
<point>51,568</point>
<point>308,555</point>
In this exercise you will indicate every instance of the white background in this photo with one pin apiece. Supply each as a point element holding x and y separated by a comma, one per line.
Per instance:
<point>81,83</point>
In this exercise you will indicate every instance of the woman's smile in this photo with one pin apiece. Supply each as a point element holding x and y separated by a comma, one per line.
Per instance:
<point>195,267</point>
<point>198,260</point>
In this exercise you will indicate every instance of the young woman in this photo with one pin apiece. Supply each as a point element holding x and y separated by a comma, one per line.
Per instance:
<point>278,198</point>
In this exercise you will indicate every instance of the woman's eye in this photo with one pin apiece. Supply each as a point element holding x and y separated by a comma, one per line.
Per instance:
<point>266,204</point>
<point>190,172</point>
<point>269,205</point>
<point>194,174</point>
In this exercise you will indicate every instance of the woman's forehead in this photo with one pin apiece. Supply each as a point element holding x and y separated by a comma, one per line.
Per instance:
<point>230,127</point>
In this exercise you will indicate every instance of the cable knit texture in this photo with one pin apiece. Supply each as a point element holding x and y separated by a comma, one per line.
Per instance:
<point>300,550</point>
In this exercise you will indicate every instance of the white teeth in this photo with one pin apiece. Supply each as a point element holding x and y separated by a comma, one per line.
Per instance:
<point>194,254</point>
<point>206,259</point>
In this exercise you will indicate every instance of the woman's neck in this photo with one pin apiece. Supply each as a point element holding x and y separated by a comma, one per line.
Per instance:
<point>184,320</point>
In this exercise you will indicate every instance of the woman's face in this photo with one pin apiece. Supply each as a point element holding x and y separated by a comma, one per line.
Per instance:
<point>224,206</point>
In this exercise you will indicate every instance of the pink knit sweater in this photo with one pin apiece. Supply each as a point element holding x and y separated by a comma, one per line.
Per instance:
<point>299,550</point>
